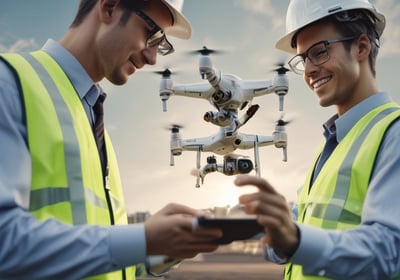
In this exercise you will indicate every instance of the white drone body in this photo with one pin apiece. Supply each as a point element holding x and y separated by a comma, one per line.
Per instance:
<point>229,95</point>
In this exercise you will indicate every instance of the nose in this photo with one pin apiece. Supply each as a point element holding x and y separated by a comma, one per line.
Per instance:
<point>150,55</point>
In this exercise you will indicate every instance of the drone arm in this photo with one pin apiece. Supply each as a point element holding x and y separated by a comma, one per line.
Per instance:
<point>203,143</point>
<point>200,90</point>
<point>257,87</point>
<point>279,85</point>
<point>246,141</point>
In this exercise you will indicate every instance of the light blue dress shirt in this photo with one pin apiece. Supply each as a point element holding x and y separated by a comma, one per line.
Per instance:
<point>51,250</point>
<point>371,250</point>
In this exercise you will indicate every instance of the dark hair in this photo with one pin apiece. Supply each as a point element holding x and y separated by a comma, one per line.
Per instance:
<point>353,23</point>
<point>85,6</point>
<point>357,22</point>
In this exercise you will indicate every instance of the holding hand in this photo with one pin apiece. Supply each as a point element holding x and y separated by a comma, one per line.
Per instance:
<point>272,212</point>
<point>169,232</point>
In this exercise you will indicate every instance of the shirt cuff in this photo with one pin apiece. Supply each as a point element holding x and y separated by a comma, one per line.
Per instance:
<point>313,242</point>
<point>127,244</point>
<point>271,255</point>
<point>160,265</point>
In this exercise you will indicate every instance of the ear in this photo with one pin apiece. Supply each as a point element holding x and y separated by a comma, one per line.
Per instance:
<point>363,47</point>
<point>107,9</point>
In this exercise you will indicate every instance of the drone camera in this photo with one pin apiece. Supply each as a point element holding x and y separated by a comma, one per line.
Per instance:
<point>234,166</point>
<point>218,118</point>
<point>244,166</point>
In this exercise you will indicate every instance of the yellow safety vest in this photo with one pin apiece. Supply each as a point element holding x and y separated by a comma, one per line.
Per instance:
<point>67,181</point>
<point>336,198</point>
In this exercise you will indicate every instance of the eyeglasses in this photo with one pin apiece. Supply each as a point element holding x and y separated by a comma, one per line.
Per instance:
<point>317,54</point>
<point>156,36</point>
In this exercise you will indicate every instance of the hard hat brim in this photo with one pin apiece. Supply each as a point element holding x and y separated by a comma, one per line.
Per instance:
<point>285,43</point>
<point>181,27</point>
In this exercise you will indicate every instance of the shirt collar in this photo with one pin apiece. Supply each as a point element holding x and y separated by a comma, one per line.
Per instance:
<point>78,76</point>
<point>344,123</point>
<point>330,126</point>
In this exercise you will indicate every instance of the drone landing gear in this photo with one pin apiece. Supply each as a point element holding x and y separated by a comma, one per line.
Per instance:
<point>257,158</point>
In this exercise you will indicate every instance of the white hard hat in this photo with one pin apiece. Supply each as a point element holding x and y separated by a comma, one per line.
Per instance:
<point>301,13</point>
<point>181,27</point>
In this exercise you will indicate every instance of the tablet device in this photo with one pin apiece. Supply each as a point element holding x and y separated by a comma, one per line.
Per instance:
<point>233,228</point>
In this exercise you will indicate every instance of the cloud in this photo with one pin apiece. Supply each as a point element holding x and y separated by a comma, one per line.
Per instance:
<point>263,7</point>
<point>391,35</point>
<point>390,8</point>
<point>19,45</point>
<point>258,7</point>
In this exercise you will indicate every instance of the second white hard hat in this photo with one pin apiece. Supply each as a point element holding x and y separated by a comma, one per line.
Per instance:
<point>301,13</point>
<point>181,27</point>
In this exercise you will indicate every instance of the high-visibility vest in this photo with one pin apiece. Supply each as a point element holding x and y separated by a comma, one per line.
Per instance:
<point>67,180</point>
<point>335,199</point>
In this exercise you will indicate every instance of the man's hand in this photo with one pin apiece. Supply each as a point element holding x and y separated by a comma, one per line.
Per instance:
<point>169,232</point>
<point>272,212</point>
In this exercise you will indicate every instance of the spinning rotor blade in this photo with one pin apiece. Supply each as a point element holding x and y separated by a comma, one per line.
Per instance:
<point>282,119</point>
<point>166,73</point>
<point>175,127</point>
<point>282,122</point>
<point>206,51</point>
<point>281,69</point>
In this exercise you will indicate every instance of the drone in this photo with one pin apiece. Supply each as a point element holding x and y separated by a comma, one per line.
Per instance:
<point>229,95</point>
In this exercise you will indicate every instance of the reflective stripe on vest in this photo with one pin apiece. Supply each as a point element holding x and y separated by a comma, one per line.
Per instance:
<point>336,198</point>
<point>67,181</point>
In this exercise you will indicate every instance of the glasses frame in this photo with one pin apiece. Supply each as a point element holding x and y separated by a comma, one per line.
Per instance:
<point>156,36</point>
<point>301,57</point>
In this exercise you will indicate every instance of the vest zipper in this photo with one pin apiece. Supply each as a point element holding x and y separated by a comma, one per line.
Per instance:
<point>106,183</point>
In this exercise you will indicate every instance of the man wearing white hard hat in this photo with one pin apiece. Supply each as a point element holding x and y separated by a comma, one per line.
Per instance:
<point>346,223</point>
<point>62,211</point>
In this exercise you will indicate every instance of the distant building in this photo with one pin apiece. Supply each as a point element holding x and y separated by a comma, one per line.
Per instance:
<point>138,217</point>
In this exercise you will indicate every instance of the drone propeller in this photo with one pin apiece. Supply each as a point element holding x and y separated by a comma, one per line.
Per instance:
<point>281,69</point>
<point>174,127</point>
<point>206,51</point>
<point>282,122</point>
<point>166,73</point>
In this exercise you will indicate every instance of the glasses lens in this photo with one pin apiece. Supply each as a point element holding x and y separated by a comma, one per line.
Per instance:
<point>165,47</point>
<point>297,64</point>
<point>155,39</point>
<point>318,54</point>
<point>159,39</point>
<point>157,36</point>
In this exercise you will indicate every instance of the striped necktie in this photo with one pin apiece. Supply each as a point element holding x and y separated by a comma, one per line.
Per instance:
<point>99,128</point>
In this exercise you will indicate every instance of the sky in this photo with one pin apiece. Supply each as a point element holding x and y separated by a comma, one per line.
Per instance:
<point>245,31</point>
